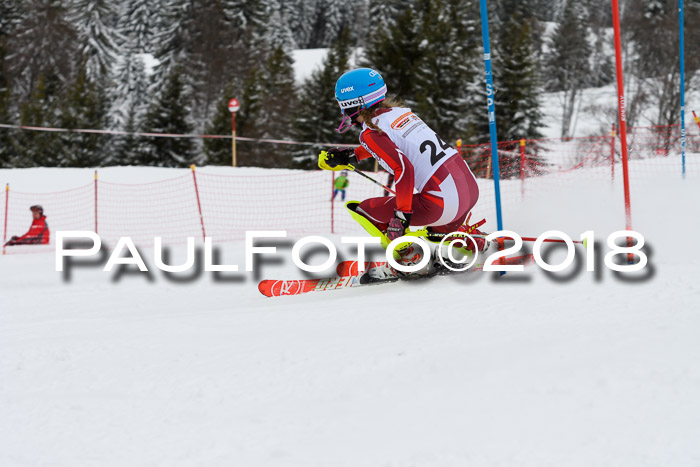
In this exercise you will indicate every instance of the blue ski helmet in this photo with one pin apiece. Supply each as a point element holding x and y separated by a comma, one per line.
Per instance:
<point>362,87</point>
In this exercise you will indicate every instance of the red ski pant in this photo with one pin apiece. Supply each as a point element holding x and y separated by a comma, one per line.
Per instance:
<point>442,205</point>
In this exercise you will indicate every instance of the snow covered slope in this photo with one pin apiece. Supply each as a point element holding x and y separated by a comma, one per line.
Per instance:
<point>579,369</point>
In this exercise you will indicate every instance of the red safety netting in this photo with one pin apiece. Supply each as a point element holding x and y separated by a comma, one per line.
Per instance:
<point>225,206</point>
<point>166,209</point>
<point>556,163</point>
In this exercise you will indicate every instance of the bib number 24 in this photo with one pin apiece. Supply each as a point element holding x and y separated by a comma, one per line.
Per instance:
<point>435,156</point>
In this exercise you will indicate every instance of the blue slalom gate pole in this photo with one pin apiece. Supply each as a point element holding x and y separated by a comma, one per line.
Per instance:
<point>683,137</point>
<point>492,112</point>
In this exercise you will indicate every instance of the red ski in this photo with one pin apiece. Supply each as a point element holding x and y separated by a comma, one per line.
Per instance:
<point>349,277</point>
<point>279,288</point>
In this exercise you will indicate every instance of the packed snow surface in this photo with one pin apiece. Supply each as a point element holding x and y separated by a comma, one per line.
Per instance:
<point>575,369</point>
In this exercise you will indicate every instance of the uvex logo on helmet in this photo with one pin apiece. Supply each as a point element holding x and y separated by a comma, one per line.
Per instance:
<point>344,90</point>
<point>351,103</point>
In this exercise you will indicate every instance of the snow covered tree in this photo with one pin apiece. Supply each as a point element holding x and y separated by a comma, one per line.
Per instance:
<point>138,22</point>
<point>244,14</point>
<point>98,39</point>
<point>6,140</point>
<point>276,29</point>
<point>169,114</point>
<point>173,38</point>
<point>83,105</point>
<point>267,109</point>
<point>395,52</point>
<point>10,16</point>
<point>334,18</point>
<point>130,94</point>
<point>124,150</point>
<point>656,59</point>
<point>215,42</point>
<point>218,151</point>
<point>427,56</point>
<point>318,113</point>
<point>43,44</point>
<point>382,14</point>
<point>516,82</point>
<point>39,149</point>
<point>567,68</point>
<point>300,16</point>
<point>444,98</point>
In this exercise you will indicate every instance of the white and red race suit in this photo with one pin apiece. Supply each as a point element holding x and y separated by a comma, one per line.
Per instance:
<point>420,160</point>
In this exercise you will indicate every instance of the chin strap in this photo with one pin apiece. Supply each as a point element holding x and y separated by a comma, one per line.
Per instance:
<point>347,122</point>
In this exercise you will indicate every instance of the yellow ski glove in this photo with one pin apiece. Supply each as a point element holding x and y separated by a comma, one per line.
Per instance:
<point>335,159</point>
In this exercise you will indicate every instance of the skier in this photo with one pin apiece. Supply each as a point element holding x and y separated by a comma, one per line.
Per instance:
<point>410,150</point>
<point>38,233</point>
<point>341,183</point>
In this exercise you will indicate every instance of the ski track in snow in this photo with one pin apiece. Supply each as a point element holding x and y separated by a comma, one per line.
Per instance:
<point>454,371</point>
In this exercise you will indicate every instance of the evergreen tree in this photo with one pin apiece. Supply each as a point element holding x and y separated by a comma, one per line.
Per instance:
<point>215,42</point>
<point>277,30</point>
<point>568,62</point>
<point>602,68</point>
<point>516,83</point>
<point>395,51</point>
<point>174,39</point>
<point>655,58</point>
<point>169,114</point>
<point>138,21</point>
<point>10,16</point>
<point>6,140</point>
<point>244,14</point>
<point>299,15</point>
<point>39,149</point>
<point>318,113</point>
<point>124,150</point>
<point>383,14</point>
<point>427,57</point>
<point>218,151</point>
<point>130,94</point>
<point>443,98</point>
<point>97,37</point>
<point>43,44</point>
<point>335,13</point>
<point>267,109</point>
<point>83,105</point>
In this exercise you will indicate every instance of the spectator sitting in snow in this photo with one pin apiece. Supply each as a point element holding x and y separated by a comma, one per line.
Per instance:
<point>38,233</point>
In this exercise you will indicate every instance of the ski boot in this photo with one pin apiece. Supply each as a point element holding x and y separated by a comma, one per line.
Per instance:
<point>409,256</point>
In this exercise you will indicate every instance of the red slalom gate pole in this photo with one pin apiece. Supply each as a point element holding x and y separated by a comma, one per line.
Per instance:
<point>612,153</point>
<point>697,119</point>
<point>4,235</point>
<point>95,201</point>
<point>332,202</point>
<point>623,119</point>
<point>199,204</point>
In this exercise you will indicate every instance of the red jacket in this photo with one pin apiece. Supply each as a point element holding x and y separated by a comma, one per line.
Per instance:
<point>378,143</point>
<point>38,233</point>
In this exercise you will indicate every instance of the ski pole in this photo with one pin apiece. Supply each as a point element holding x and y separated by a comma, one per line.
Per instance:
<point>352,167</point>
<point>533,239</point>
